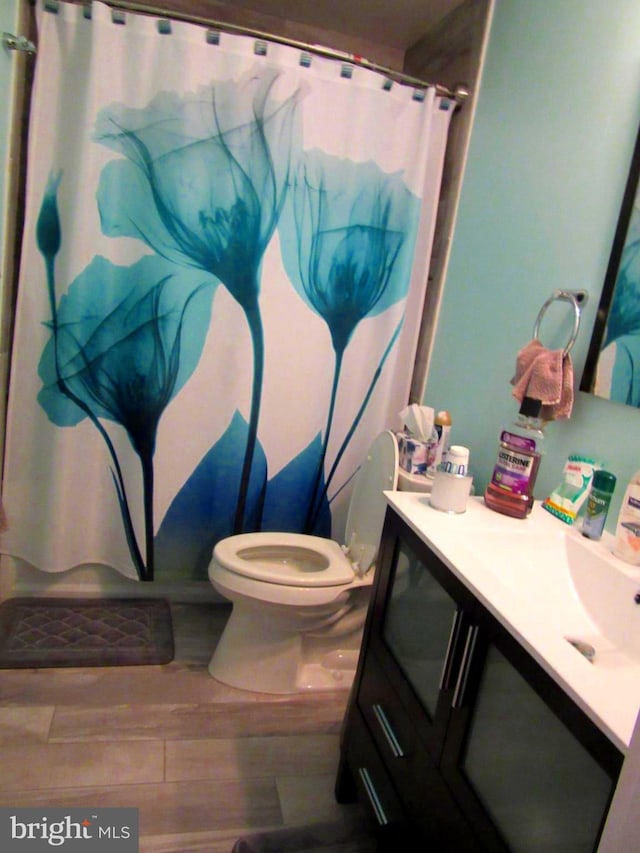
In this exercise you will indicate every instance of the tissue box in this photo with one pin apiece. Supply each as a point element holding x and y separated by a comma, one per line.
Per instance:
<point>414,455</point>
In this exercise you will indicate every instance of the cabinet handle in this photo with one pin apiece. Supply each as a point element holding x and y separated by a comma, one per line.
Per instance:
<point>465,665</point>
<point>445,675</point>
<point>388,731</point>
<point>372,795</point>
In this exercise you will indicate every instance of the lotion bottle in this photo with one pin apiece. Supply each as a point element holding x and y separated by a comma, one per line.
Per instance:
<point>511,488</point>
<point>627,544</point>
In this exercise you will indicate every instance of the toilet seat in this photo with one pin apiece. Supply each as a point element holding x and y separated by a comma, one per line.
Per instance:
<point>230,584</point>
<point>302,560</point>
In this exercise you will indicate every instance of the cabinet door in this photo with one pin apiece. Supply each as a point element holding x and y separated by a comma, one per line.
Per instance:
<point>421,613</point>
<point>529,769</point>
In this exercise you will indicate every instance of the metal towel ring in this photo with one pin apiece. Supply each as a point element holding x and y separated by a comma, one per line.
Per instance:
<point>577,298</point>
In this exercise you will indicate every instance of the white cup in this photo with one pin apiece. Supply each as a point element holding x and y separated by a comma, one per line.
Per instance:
<point>450,492</point>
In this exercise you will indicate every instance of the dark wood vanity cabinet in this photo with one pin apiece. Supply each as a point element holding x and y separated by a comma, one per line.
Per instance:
<point>455,736</point>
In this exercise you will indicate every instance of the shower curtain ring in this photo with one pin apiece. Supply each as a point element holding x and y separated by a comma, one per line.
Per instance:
<point>20,43</point>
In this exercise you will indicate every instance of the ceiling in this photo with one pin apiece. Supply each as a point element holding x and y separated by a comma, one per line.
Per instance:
<point>395,23</point>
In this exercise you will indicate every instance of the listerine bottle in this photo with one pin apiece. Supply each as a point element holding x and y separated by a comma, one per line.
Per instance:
<point>511,488</point>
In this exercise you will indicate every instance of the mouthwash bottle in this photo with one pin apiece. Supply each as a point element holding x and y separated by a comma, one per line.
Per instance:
<point>514,475</point>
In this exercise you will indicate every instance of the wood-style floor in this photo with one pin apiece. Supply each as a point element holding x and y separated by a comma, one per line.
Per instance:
<point>203,763</point>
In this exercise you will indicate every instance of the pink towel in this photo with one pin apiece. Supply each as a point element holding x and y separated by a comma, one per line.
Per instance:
<point>545,375</point>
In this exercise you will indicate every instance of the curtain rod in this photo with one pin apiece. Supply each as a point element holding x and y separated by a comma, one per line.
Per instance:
<point>459,94</point>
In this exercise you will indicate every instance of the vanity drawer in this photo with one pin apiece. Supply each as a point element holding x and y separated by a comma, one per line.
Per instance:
<point>425,796</point>
<point>386,718</point>
<point>374,784</point>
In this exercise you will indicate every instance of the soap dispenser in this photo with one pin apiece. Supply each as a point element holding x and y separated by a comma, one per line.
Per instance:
<point>511,488</point>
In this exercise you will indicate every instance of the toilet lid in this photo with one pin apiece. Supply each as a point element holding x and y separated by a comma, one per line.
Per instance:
<point>367,508</point>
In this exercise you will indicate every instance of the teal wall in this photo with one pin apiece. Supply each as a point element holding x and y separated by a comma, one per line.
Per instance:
<point>555,125</point>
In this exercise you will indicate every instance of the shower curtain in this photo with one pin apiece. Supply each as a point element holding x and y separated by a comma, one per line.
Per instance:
<point>224,262</point>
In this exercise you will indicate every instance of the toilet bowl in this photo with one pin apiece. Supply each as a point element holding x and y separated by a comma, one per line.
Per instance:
<point>300,601</point>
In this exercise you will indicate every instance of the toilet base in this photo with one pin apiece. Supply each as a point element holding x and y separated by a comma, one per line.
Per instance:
<point>287,662</point>
<point>335,672</point>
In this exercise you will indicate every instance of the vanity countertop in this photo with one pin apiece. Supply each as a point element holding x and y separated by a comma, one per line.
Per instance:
<point>518,569</point>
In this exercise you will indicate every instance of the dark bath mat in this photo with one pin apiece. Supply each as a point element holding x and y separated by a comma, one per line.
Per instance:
<point>57,632</point>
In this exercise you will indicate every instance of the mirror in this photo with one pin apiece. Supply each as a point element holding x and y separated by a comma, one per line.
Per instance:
<point>612,368</point>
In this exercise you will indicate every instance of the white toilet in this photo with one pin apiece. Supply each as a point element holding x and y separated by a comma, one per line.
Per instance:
<point>299,601</point>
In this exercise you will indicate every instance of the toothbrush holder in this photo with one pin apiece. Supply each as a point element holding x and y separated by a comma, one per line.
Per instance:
<point>450,491</point>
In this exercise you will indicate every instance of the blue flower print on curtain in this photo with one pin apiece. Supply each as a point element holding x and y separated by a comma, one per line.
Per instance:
<point>618,375</point>
<point>203,183</point>
<point>624,314</point>
<point>348,251</point>
<point>201,513</point>
<point>124,340</point>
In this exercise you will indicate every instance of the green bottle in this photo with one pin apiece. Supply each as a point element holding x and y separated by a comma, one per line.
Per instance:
<point>598,502</point>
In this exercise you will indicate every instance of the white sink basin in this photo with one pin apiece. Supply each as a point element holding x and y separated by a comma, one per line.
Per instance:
<point>588,595</point>
<point>607,589</point>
